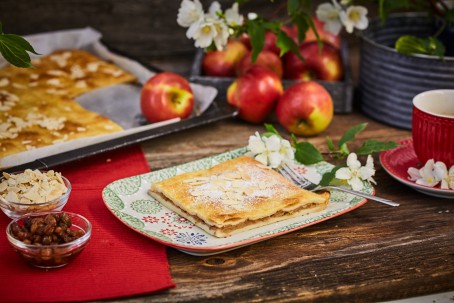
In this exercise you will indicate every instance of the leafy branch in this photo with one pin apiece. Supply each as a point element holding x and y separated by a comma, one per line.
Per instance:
<point>408,44</point>
<point>306,153</point>
<point>14,49</point>
<point>298,13</point>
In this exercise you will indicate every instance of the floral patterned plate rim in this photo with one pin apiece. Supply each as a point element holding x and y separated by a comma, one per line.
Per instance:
<point>129,201</point>
<point>397,161</point>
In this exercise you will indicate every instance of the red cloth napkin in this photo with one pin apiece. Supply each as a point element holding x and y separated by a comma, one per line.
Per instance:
<point>117,262</point>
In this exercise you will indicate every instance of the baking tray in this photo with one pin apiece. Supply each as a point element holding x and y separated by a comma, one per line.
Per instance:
<point>89,39</point>
<point>340,91</point>
<point>217,111</point>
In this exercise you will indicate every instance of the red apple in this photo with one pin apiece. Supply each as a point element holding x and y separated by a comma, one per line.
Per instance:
<point>222,63</point>
<point>305,108</point>
<point>255,93</point>
<point>319,63</point>
<point>324,35</point>
<point>165,96</point>
<point>265,58</point>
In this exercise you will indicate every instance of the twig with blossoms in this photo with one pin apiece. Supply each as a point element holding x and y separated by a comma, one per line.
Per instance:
<point>433,174</point>
<point>271,149</point>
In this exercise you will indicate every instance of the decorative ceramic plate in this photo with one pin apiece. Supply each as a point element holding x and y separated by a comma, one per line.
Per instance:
<point>129,201</point>
<point>397,161</point>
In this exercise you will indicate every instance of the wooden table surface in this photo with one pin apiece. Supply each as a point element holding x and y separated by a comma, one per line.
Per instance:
<point>371,254</point>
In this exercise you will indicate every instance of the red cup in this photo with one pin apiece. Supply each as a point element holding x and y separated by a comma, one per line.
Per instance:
<point>433,126</point>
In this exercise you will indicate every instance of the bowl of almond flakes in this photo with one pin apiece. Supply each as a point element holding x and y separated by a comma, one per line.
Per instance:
<point>32,191</point>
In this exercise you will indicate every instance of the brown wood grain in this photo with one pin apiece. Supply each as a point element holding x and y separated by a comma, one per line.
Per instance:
<point>371,254</point>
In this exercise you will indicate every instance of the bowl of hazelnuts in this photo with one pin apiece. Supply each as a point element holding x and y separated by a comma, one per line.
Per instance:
<point>49,239</point>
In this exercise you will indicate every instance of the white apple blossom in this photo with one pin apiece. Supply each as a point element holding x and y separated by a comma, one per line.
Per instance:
<point>330,15</point>
<point>252,16</point>
<point>428,175</point>
<point>222,34</point>
<point>213,10</point>
<point>413,174</point>
<point>355,174</point>
<point>354,17</point>
<point>270,151</point>
<point>189,12</point>
<point>432,173</point>
<point>449,178</point>
<point>203,32</point>
<point>232,16</point>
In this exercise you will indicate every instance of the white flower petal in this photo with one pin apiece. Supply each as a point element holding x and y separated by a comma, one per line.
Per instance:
<point>256,145</point>
<point>272,143</point>
<point>327,12</point>
<point>440,170</point>
<point>275,159</point>
<point>343,173</point>
<point>214,8</point>
<point>365,173</point>
<point>232,16</point>
<point>333,27</point>
<point>356,183</point>
<point>354,16</point>
<point>189,12</point>
<point>352,161</point>
<point>262,158</point>
<point>444,184</point>
<point>414,174</point>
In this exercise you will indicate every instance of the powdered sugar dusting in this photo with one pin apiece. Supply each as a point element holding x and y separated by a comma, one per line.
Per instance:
<point>235,189</point>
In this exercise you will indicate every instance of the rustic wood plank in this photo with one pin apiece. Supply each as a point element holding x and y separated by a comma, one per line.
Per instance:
<point>370,254</point>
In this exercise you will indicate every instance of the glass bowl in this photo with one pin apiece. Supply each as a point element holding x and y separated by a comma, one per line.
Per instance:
<point>42,254</point>
<point>15,209</point>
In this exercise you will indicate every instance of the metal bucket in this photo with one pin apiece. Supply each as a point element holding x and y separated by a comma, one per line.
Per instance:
<point>388,80</point>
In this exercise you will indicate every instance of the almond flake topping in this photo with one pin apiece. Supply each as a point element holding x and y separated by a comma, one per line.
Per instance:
<point>77,72</point>
<point>81,84</point>
<point>113,72</point>
<point>61,59</point>
<point>57,73</point>
<point>7,100</point>
<point>54,91</point>
<point>4,82</point>
<point>19,86</point>
<point>11,128</point>
<point>32,186</point>
<point>93,66</point>
<point>54,82</point>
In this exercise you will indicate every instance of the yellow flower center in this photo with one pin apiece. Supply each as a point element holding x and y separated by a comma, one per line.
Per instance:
<point>354,15</point>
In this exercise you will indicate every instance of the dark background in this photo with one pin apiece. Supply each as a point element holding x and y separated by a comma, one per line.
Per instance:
<point>145,29</point>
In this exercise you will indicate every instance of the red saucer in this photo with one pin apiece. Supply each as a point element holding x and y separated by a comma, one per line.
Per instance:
<point>397,161</point>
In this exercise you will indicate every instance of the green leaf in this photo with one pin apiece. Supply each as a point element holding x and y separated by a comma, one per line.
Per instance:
<point>270,130</point>
<point>306,153</point>
<point>343,151</point>
<point>330,144</point>
<point>292,6</point>
<point>329,176</point>
<point>371,146</point>
<point>351,133</point>
<point>14,49</point>
<point>256,32</point>
<point>294,141</point>
<point>413,45</point>
<point>285,43</point>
